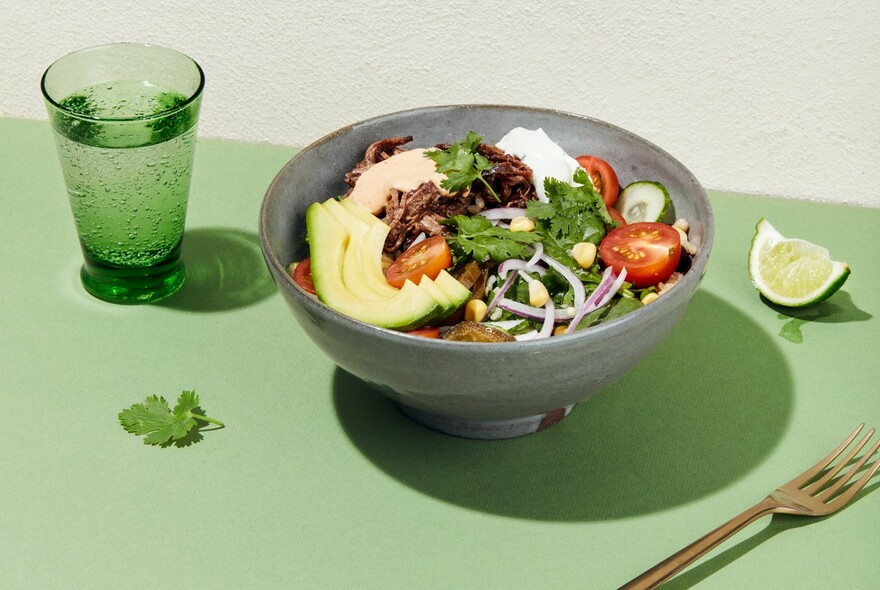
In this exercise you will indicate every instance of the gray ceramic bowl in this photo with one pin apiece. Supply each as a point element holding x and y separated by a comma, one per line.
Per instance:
<point>479,390</point>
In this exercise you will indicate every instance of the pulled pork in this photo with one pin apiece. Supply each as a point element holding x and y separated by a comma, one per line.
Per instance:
<point>421,210</point>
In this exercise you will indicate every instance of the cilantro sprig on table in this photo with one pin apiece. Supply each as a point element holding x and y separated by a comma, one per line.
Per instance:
<point>160,424</point>
<point>462,163</point>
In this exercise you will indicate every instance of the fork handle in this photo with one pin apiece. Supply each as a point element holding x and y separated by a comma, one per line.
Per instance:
<point>677,562</point>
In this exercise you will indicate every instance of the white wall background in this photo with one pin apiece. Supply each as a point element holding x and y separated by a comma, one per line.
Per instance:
<point>772,97</point>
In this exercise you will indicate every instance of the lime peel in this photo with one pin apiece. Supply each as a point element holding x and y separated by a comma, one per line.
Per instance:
<point>792,272</point>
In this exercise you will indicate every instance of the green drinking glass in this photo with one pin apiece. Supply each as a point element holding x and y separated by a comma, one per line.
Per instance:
<point>124,118</point>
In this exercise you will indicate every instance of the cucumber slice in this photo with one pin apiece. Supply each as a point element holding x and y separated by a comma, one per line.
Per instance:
<point>645,200</point>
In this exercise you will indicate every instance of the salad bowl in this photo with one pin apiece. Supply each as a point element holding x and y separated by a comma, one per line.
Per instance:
<point>480,390</point>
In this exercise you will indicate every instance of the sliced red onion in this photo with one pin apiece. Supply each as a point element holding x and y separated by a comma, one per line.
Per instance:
<point>590,304</point>
<point>605,290</point>
<point>539,251</point>
<point>501,291</point>
<point>618,283</point>
<point>530,335</point>
<point>503,213</point>
<point>419,238</point>
<point>547,327</point>
<point>516,264</point>
<point>531,312</point>
<point>580,293</point>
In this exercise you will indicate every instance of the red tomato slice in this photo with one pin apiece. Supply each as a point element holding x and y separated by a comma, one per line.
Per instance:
<point>427,257</point>
<point>649,251</point>
<point>604,177</point>
<point>616,216</point>
<point>302,275</point>
<point>425,332</point>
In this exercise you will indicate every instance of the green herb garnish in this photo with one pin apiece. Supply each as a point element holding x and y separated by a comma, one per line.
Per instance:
<point>174,124</point>
<point>462,163</point>
<point>573,213</point>
<point>162,425</point>
<point>478,239</point>
<point>617,307</point>
<point>75,128</point>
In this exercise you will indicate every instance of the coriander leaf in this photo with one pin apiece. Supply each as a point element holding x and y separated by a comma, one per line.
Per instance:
<point>478,239</point>
<point>462,163</point>
<point>583,178</point>
<point>617,307</point>
<point>571,214</point>
<point>540,210</point>
<point>162,425</point>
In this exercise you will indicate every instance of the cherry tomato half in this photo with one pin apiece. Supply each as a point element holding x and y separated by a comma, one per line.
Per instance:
<point>302,275</point>
<point>604,177</point>
<point>616,216</point>
<point>426,332</point>
<point>427,257</point>
<point>649,251</point>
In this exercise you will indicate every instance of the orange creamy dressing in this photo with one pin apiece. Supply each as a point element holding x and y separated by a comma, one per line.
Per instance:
<point>404,172</point>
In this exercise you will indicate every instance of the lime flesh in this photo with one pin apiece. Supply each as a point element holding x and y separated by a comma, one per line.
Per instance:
<point>792,272</point>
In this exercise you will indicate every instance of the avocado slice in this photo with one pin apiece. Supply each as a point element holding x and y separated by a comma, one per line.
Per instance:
<point>454,290</point>
<point>447,291</point>
<point>361,212</point>
<point>445,303</point>
<point>329,239</point>
<point>362,269</point>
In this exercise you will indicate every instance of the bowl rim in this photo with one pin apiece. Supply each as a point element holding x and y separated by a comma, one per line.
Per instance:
<point>690,280</point>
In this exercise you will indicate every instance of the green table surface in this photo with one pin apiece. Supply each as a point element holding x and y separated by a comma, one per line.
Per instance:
<point>318,482</point>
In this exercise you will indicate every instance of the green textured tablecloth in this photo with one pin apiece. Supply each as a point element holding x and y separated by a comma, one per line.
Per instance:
<point>317,482</point>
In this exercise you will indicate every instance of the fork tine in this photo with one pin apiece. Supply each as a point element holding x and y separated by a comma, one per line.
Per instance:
<point>820,483</point>
<point>828,495</point>
<point>816,469</point>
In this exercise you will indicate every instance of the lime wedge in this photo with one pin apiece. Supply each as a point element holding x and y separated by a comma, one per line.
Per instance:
<point>792,272</point>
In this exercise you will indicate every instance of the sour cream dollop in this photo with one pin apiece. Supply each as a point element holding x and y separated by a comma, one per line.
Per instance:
<point>541,154</point>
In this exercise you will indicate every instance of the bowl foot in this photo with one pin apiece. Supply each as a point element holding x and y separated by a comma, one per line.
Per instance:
<point>486,429</point>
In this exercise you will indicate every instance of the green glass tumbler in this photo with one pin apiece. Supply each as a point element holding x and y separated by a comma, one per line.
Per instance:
<point>124,117</point>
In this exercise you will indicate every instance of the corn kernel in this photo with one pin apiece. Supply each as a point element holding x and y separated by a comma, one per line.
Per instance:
<point>538,294</point>
<point>584,253</point>
<point>560,329</point>
<point>649,298</point>
<point>522,223</point>
<point>475,310</point>
<point>683,238</point>
<point>682,235</point>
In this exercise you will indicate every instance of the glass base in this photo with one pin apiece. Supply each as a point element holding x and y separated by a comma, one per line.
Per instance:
<point>133,285</point>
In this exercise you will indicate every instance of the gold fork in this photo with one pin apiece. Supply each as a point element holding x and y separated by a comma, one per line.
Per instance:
<point>818,491</point>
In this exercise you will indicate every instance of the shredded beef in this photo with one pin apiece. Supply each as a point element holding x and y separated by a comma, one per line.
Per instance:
<point>422,209</point>
<point>376,152</point>
<point>510,178</point>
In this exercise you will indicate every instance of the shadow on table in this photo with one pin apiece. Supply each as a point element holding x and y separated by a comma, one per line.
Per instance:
<point>838,309</point>
<point>700,412</point>
<point>224,270</point>
<point>778,524</point>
